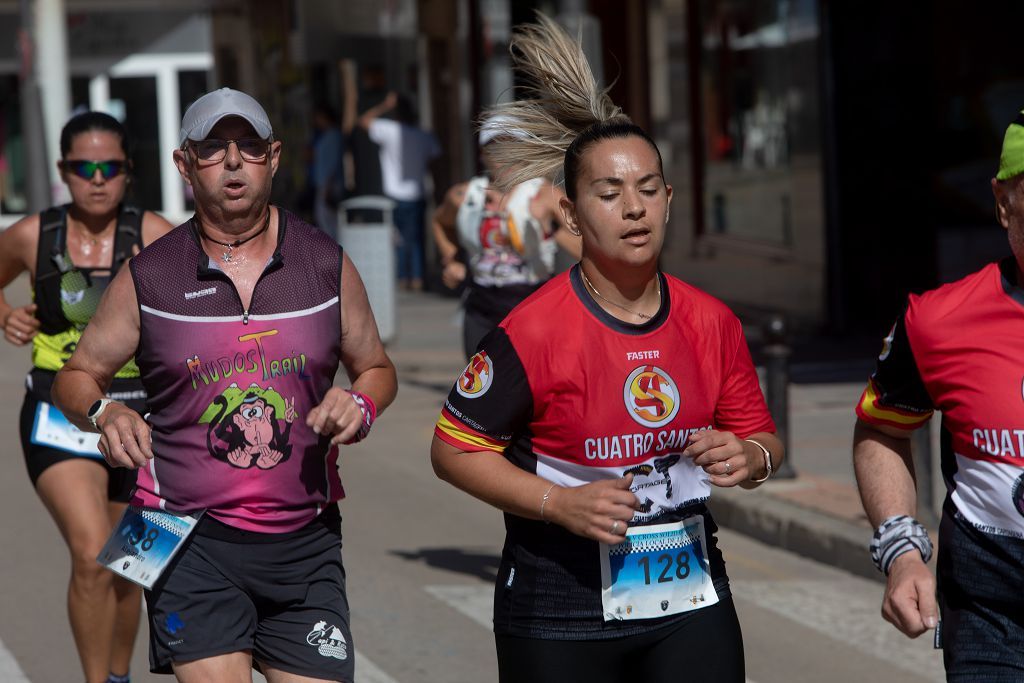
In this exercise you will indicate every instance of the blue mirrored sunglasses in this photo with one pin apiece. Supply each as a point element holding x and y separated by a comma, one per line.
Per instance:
<point>87,169</point>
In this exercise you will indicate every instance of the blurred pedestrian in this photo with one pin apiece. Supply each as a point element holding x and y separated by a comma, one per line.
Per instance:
<point>956,349</point>
<point>239,319</point>
<point>406,150</point>
<point>328,173</point>
<point>501,244</point>
<point>71,252</point>
<point>361,93</point>
<point>602,410</point>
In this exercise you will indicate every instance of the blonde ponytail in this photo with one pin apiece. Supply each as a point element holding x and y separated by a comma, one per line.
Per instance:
<point>563,101</point>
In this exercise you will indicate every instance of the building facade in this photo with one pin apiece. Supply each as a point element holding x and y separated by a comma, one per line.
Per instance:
<point>827,157</point>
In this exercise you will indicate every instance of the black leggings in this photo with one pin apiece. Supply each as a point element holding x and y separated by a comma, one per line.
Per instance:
<point>706,647</point>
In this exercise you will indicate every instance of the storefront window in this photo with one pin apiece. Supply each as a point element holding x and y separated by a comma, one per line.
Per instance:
<point>758,75</point>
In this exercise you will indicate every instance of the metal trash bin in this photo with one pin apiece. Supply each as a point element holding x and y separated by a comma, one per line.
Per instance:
<point>371,246</point>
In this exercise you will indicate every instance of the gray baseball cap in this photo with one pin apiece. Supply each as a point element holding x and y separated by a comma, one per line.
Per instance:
<point>203,114</point>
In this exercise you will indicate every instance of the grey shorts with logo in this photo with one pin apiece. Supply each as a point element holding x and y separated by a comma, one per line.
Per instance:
<point>280,596</point>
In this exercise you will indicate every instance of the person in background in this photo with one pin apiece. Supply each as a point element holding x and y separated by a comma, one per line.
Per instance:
<point>406,150</point>
<point>327,170</point>
<point>501,244</point>
<point>71,253</point>
<point>363,87</point>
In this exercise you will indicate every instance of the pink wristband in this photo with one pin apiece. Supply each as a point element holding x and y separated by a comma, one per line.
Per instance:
<point>369,410</point>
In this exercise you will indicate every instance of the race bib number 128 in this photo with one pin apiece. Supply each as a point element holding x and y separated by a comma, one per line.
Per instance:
<point>658,570</point>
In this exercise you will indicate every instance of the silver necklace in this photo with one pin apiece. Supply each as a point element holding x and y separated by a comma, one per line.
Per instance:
<point>230,246</point>
<point>605,299</point>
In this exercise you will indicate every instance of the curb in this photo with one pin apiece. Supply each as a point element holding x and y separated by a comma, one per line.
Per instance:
<point>801,530</point>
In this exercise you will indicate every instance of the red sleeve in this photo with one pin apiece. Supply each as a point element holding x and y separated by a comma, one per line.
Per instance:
<point>490,401</point>
<point>741,408</point>
<point>895,395</point>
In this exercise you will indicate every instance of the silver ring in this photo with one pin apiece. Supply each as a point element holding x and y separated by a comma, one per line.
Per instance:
<point>615,527</point>
<point>728,467</point>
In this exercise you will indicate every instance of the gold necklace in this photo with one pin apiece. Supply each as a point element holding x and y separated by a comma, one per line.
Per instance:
<point>605,299</point>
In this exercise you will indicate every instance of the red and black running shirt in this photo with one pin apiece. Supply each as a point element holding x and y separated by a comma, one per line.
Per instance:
<point>959,349</point>
<point>574,395</point>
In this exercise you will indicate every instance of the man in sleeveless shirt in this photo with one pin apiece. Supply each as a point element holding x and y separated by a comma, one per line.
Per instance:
<point>956,349</point>
<point>238,320</point>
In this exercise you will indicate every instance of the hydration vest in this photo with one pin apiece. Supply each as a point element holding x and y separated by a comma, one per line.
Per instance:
<point>67,295</point>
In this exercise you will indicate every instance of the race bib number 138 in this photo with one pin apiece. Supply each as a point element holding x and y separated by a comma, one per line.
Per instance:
<point>144,542</point>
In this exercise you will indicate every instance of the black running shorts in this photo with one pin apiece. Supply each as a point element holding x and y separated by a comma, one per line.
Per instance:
<point>282,596</point>
<point>120,480</point>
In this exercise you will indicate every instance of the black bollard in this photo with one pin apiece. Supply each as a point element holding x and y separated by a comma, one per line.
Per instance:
<point>776,385</point>
<point>921,449</point>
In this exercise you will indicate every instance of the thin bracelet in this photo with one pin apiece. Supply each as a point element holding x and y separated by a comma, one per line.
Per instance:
<point>769,468</point>
<point>544,501</point>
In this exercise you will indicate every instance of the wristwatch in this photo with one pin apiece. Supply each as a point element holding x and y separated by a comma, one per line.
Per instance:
<point>96,409</point>
<point>768,466</point>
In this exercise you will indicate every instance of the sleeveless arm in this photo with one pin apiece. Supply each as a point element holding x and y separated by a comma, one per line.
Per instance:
<point>443,223</point>
<point>107,343</point>
<point>18,245</point>
<point>362,353</point>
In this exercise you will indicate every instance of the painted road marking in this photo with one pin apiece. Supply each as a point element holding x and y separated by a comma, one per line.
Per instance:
<point>369,672</point>
<point>847,610</point>
<point>10,672</point>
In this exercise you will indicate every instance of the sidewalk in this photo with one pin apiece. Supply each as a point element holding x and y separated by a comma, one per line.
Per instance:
<point>817,514</point>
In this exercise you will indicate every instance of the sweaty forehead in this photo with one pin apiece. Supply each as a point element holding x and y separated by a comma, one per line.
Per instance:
<point>623,158</point>
<point>96,144</point>
<point>232,128</point>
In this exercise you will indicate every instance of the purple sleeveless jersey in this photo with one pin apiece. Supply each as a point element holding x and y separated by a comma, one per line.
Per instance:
<point>229,389</point>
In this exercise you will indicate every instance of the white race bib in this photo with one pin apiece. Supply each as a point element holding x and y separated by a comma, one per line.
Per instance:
<point>52,429</point>
<point>658,570</point>
<point>144,542</point>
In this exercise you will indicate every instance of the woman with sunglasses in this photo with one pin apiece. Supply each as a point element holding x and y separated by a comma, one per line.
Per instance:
<point>602,412</point>
<point>71,252</point>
